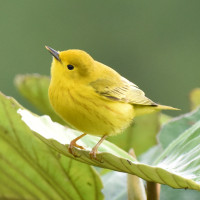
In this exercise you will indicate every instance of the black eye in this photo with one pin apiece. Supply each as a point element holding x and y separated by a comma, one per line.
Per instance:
<point>70,67</point>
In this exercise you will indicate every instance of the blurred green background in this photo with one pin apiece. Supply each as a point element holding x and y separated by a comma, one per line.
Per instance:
<point>155,44</point>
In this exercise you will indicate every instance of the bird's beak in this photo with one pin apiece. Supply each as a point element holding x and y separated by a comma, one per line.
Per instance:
<point>53,52</point>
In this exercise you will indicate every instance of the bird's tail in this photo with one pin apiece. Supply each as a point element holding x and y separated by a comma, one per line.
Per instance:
<point>141,110</point>
<point>162,107</point>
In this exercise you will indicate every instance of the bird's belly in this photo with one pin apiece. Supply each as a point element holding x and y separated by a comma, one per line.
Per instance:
<point>91,114</point>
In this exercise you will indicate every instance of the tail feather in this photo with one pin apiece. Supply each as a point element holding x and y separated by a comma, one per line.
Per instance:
<point>141,110</point>
<point>162,107</point>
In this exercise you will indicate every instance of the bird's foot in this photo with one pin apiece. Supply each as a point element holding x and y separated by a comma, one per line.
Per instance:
<point>93,155</point>
<point>71,148</point>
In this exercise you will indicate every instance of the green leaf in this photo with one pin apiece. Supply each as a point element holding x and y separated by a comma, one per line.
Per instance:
<point>149,156</point>
<point>140,136</point>
<point>172,130</point>
<point>195,98</point>
<point>34,88</point>
<point>183,154</point>
<point>112,157</point>
<point>30,170</point>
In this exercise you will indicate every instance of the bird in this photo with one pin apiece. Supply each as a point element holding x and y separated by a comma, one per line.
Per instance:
<point>93,98</point>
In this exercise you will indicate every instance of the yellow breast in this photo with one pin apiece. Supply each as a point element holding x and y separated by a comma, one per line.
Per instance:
<point>87,111</point>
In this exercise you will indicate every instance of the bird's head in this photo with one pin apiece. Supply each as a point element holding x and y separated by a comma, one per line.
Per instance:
<point>71,64</point>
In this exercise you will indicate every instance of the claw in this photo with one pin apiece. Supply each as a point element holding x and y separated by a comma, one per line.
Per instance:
<point>71,148</point>
<point>73,144</point>
<point>93,154</point>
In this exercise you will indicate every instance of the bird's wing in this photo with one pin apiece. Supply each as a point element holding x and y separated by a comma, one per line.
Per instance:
<point>121,90</point>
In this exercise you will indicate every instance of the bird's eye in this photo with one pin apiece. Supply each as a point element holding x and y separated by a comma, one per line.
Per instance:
<point>70,67</point>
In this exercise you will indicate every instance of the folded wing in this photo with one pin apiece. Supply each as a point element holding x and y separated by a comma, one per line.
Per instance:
<point>121,90</point>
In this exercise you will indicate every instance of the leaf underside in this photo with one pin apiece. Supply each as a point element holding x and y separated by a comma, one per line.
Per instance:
<point>169,170</point>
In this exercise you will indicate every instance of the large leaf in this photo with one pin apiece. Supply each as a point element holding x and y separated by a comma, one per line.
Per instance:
<point>58,137</point>
<point>34,88</point>
<point>150,156</point>
<point>167,135</point>
<point>185,154</point>
<point>172,130</point>
<point>30,170</point>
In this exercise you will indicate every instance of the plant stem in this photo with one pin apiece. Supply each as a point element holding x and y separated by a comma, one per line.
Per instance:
<point>136,189</point>
<point>153,191</point>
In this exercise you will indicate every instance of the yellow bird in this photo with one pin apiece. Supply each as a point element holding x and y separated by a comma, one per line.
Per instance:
<point>93,97</point>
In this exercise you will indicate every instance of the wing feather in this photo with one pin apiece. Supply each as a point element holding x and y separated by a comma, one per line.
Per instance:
<point>121,90</point>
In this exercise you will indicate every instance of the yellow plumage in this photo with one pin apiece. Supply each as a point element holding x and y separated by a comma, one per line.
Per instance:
<point>94,98</point>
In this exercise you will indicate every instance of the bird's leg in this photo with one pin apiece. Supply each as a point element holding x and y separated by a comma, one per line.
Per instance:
<point>95,148</point>
<point>73,144</point>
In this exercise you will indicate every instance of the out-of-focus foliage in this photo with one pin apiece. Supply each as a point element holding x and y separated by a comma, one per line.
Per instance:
<point>195,98</point>
<point>155,43</point>
<point>35,89</point>
<point>142,131</point>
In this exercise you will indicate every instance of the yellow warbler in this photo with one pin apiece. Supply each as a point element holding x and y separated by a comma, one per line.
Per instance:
<point>94,98</point>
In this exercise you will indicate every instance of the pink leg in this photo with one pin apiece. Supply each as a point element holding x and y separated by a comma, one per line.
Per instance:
<point>95,148</point>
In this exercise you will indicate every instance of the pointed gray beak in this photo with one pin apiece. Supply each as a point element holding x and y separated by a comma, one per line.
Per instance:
<point>54,53</point>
